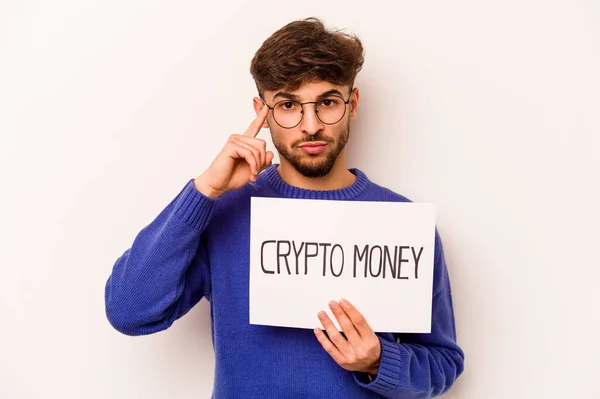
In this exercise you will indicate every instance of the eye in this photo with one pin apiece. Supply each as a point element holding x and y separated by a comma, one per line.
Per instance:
<point>287,105</point>
<point>328,102</point>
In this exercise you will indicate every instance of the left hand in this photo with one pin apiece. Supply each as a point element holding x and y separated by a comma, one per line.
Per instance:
<point>360,350</point>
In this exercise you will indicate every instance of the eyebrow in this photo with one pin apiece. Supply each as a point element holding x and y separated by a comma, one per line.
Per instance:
<point>296,97</point>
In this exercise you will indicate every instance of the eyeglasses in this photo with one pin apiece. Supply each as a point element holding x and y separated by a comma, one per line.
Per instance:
<point>289,113</point>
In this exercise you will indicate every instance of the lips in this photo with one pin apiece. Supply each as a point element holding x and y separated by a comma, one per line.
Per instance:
<point>313,148</point>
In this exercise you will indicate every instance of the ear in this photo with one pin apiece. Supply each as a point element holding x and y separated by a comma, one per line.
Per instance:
<point>258,105</point>
<point>354,102</point>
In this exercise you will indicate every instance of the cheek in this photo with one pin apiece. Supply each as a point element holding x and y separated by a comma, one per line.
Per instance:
<point>278,137</point>
<point>284,137</point>
<point>339,132</point>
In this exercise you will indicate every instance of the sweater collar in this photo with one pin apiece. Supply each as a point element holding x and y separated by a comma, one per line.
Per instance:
<point>274,180</point>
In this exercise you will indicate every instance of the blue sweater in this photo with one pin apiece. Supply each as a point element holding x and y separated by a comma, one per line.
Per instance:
<point>198,247</point>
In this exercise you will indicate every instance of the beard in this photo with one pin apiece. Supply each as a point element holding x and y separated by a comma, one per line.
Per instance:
<point>314,166</point>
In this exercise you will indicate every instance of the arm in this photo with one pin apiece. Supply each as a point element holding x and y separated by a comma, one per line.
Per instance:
<point>422,365</point>
<point>165,272</point>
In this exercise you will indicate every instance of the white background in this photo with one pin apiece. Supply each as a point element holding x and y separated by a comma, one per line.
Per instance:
<point>488,109</point>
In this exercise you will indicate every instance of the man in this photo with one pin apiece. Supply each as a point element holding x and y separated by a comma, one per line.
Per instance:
<point>198,246</point>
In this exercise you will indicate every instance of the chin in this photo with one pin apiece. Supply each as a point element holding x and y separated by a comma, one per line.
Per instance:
<point>316,167</point>
<point>312,166</point>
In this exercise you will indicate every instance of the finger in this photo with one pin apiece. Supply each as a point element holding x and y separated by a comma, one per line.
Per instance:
<point>270,155</point>
<point>334,335</point>
<point>255,152</point>
<point>358,320</point>
<point>256,125</point>
<point>345,323</point>
<point>241,152</point>
<point>328,346</point>
<point>257,155</point>
<point>259,144</point>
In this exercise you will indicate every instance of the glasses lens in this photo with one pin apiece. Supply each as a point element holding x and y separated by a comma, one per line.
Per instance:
<point>287,113</point>
<point>331,109</point>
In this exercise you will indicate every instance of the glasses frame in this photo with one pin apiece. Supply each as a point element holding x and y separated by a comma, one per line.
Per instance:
<point>309,102</point>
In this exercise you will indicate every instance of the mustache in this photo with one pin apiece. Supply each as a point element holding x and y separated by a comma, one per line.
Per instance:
<point>316,137</point>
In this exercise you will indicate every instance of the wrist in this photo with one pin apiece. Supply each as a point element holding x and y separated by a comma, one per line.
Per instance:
<point>373,370</point>
<point>206,189</point>
<point>367,376</point>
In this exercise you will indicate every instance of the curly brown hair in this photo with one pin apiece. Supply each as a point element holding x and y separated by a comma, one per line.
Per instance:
<point>305,51</point>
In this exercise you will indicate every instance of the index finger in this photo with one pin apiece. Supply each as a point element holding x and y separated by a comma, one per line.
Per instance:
<point>359,321</point>
<point>344,321</point>
<point>256,125</point>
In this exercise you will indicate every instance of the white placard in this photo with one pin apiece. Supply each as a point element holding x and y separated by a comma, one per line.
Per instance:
<point>377,255</point>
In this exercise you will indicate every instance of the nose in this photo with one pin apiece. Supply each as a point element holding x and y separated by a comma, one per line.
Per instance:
<point>310,122</point>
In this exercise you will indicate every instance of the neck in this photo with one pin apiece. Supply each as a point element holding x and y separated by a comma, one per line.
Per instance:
<point>339,177</point>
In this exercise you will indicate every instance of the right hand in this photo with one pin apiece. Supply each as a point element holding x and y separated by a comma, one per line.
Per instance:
<point>239,162</point>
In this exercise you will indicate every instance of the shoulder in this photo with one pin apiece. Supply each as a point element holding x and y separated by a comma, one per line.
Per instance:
<point>388,194</point>
<point>239,199</point>
<point>377,192</point>
<point>235,198</point>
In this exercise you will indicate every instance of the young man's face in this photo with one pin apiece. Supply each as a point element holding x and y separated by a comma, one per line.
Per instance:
<point>311,143</point>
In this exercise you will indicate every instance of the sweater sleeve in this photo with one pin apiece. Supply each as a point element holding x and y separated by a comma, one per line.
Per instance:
<point>165,272</point>
<point>421,366</point>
